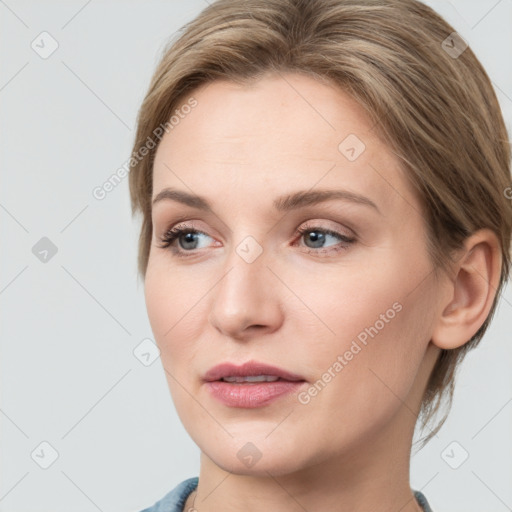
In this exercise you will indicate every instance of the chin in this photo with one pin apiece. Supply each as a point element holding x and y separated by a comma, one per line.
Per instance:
<point>255,453</point>
<point>276,464</point>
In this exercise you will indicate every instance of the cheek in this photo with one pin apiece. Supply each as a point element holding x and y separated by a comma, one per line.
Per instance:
<point>157,300</point>
<point>176,313</point>
<point>382,322</point>
<point>379,315</point>
<point>343,303</point>
<point>162,294</point>
<point>175,307</point>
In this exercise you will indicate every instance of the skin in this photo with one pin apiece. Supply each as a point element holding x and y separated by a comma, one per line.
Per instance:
<point>348,449</point>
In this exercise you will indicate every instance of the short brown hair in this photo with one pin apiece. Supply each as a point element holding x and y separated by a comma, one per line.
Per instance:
<point>437,110</point>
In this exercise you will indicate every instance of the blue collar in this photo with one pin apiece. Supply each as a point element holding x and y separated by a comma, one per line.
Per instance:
<point>174,501</point>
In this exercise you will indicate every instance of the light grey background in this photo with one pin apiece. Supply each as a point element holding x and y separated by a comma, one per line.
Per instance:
<point>69,326</point>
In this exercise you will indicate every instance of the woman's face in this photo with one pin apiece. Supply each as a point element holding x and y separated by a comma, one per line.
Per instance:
<point>347,306</point>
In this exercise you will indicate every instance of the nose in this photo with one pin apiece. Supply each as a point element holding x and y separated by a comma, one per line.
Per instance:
<point>246,301</point>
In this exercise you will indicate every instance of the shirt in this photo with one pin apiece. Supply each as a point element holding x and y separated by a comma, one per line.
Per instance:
<point>174,500</point>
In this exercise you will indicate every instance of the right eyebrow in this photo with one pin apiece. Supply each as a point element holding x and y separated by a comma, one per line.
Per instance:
<point>182,197</point>
<point>283,203</point>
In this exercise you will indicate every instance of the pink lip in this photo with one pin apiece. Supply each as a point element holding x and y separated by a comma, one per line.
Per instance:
<point>250,395</point>
<point>251,368</point>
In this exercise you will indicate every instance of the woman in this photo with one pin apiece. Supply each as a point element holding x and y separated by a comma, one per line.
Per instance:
<point>325,235</point>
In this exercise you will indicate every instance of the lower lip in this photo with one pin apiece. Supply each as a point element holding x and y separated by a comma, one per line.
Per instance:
<point>251,395</point>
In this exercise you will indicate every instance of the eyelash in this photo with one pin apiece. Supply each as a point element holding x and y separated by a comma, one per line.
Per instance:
<point>174,233</point>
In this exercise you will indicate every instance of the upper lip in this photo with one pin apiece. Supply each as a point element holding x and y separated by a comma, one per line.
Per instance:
<point>250,368</point>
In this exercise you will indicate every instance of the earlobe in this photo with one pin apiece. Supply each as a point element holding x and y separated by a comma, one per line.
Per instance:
<point>468,297</point>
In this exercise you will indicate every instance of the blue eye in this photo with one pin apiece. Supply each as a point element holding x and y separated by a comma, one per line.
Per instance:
<point>318,236</point>
<point>187,234</point>
<point>187,240</point>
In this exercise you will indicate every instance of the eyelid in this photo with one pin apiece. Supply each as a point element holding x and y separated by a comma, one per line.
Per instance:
<point>320,224</point>
<point>173,234</point>
<point>304,225</point>
<point>180,224</point>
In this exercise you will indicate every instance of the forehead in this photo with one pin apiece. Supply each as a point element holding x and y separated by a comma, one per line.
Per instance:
<point>275,135</point>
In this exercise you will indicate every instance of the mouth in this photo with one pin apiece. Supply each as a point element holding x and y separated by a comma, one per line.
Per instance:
<point>250,385</point>
<point>249,372</point>
<point>250,379</point>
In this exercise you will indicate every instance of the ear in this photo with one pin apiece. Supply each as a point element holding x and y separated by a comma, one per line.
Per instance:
<point>469,296</point>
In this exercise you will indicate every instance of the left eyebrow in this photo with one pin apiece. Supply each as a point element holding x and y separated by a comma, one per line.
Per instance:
<point>307,198</point>
<point>283,203</point>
